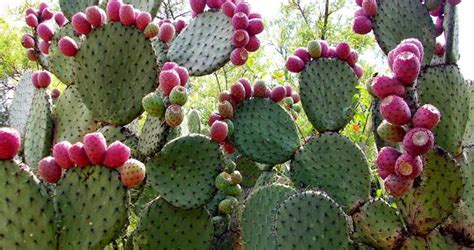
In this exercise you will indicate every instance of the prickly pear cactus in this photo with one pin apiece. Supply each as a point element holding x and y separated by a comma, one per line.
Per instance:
<point>21,104</point>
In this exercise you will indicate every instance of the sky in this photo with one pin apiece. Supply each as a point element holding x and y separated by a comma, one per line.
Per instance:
<point>270,9</point>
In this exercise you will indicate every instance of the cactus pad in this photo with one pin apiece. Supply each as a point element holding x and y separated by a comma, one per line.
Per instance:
<point>123,135</point>
<point>259,213</point>
<point>468,138</point>
<point>150,6</point>
<point>154,136</point>
<point>264,131</point>
<point>111,77</point>
<point>161,51</point>
<point>441,184</point>
<point>327,88</point>
<point>92,206</point>
<point>399,20</point>
<point>185,169</point>
<point>311,220</point>
<point>333,163</point>
<point>205,45</point>
<point>61,66</point>
<point>444,87</point>
<point>72,118</point>
<point>250,171</point>
<point>164,226</point>
<point>27,216</point>
<point>21,103</point>
<point>69,8</point>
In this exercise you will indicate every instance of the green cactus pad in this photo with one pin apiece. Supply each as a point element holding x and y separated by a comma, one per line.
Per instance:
<point>60,65</point>
<point>123,135</point>
<point>93,207</point>
<point>164,226</point>
<point>150,6</point>
<point>264,131</point>
<point>333,163</point>
<point>39,129</point>
<point>69,8</point>
<point>441,184</point>
<point>72,118</point>
<point>154,136</point>
<point>399,20</point>
<point>311,220</point>
<point>27,215</point>
<point>377,224</point>
<point>205,45</point>
<point>259,213</point>
<point>249,170</point>
<point>327,89</point>
<point>435,240</point>
<point>185,170</point>
<point>468,138</point>
<point>444,87</point>
<point>451,33</point>
<point>193,121</point>
<point>113,78</point>
<point>161,51</point>
<point>21,103</point>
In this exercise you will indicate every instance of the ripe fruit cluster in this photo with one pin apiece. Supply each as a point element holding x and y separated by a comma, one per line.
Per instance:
<point>396,168</point>
<point>229,182</point>
<point>437,12</point>
<point>41,79</point>
<point>10,143</point>
<point>362,23</point>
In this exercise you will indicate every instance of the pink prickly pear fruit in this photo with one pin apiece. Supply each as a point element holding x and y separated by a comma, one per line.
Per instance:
<point>179,25</point>
<point>343,50</point>
<point>408,166</point>
<point>390,133</point>
<point>151,30</point>
<point>243,7</point>
<point>68,46</point>
<point>395,110</point>
<point>61,154</point>
<point>143,19</point>
<point>174,115</point>
<point>228,147</point>
<point>247,86</point>
<point>214,4</point>
<point>95,16</point>
<point>239,56</point>
<point>47,14</point>
<point>362,25</point>
<point>113,10</point>
<point>78,155</point>
<point>408,47</point>
<point>132,173</point>
<point>417,43</point>
<point>169,66</point>
<point>278,93</point>
<point>226,110</point>
<point>288,91</point>
<point>324,48</point>
<point>10,142</point>
<point>31,20</point>
<point>213,117</point>
<point>31,54</point>
<point>294,64</point>
<point>183,75</point>
<point>127,14</point>
<point>418,141</point>
<point>117,154</point>
<point>168,80</point>
<point>439,28</point>
<point>383,86</point>
<point>166,33</point>
<point>226,96</point>
<point>386,160</point>
<point>55,93</point>
<point>80,24</point>
<point>370,7</point>
<point>427,116</point>
<point>27,41</point>
<point>240,21</point>
<point>259,89</point>
<point>60,19</point>
<point>44,79</point>
<point>95,146</point>
<point>43,47</point>
<point>255,26</point>
<point>240,38</point>
<point>31,10</point>
<point>237,90</point>
<point>198,6</point>
<point>49,170</point>
<point>303,54</point>
<point>34,79</point>
<point>359,12</point>
<point>359,2</point>
<point>178,95</point>
<point>45,32</point>
<point>296,98</point>
<point>219,131</point>
<point>332,52</point>
<point>397,186</point>
<point>42,6</point>
<point>254,15</point>
<point>353,58</point>
<point>228,8</point>
<point>439,49</point>
<point>253,44</point>
<point>406,68</point>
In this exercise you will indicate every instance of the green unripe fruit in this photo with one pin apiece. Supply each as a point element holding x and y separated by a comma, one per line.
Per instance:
<point>314,49</point>
<point>236,177</point>
<point>154,105</point>
<point>178,95</point>
<point>390,133</point>
<point>235,190</point>
<point>228,205</point>
<point>223,180</point>
<point>174,115</point>
<point>287,101</point>
<point>296,108</point>
<point>230,167</point>
<point>230,127</point>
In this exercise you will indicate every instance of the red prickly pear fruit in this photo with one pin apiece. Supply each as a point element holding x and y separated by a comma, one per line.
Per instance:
<point>324,48</point>
<point>78,155</point>
<point>127,15</point>
<point>439,49</point>
<point>219,131</point>
<point>343,50</point>
<point>254,15</point>
<point>407,47</point>
<point>80,24</point>
<point>240,38</point>
<point>228,8</point>
<point>228,147</point>
<point>362,25</point>
<point>255,26</point>
<point>390,133</point>
<point>427,116</point>
<point>418,141</point>
<point>253,44</point>
<point>44,79</point>
<point>34,79</point>
<point>296,98</point>
<point>439,28</point>
<point>406,68</point>
<point>143,19</point>
<point>288,90</point>
<point>31,54</point>
<point>198,6</point>
<point>397,186</point>
<point>95,146</point>
<point>437,11</point>
<point>278,93</point>
<point>332,52</point>
<point>168,80</point>
<point>239,56</point>
<point>383,86</point>
<point>174,115</point>
<point>55,93</point>
<point>240,21</point>
<point>395,110</point>
<point>179,25</point>
<point>166,33</point>
<point>408,166</point>
<point>30,10</point>
<point>43,47</point>
<point>314,49</point>
<point>94,16</point>
<point>359,12</point>
<point>226,96</point>
<point>151,30</point>
<point>10,142</point>
<point>417,43</point>
<point>27,41</point>
<point>213,117</point>
<point>178,95</point>
<point>169,66</point>
<point>61,154</point>
<point>214,4</point>
<point>247,86</point>
<point>226,110</point>
<point>359,2</point>
<point>68,46</point>
<point>60,19</point>
<point>113,10</point>
<point>132,173</point>
<point>238,93</point>
<point>243,7</point>
<point>370,7</point>
<point>303,54</point>
<point>45,32</point>
<point>42,6</point>
<point>31,20</point>
<point>353,58</point>
<point>47,14</point>
<point>49,170</point>
<point>259,89</point>
<point>294,64</point>
<point>183,75</point>
<point>117,154</point>
<point>386,160</point>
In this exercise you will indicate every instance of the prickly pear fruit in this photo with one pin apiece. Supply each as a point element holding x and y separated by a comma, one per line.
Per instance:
<point>418,141</point>
<point>240,21</point>
<point>174,115</point>
<point>219,131</point>
<point>230,166</point>
<point>95,16</point>
<point>228,8</point>
<point>60,19</point>
<point>243,7</point>
<point>255,26</point>
<point>198,6</point>
<point>61,154</point>
<point>151,30</point>
<point>127,14</point>
<point>168,80</point>
<point>343,50</point>
<point>418,44</point>
<point>296,97</point>
<point>239,56</point>
<point>183,75</point>
<point>132,173</point>
<point>408,166</point>
<point>80,24</point>
<point>234,190</point>
<point>395,110</point>
<point>362,25</point>
<point>406,67</point>
<point>95,146</point>
<point>78,155</point>
<point>68,46</point>
<point>390,133</point>
<point>55,93</point>
<point>45,32</point>
<point>314,49</point>
<point>247,86</point>
<point>228,205</point>
<point>259,89</point>
<point>166,33</point>
<point>253,44</point>
<point>236,177</point>
<point>237,90</point>
<point>240,38</point>
<point>49,170</point>
<point>427,116</point>
<point>117,154</point>
<point>43,47</point>
<point>143,19</point>
<point>228,147</point>
<point>10,142</point>
<point>397,186</point>
<point>223,180</point>
<point>47,14</point>
<point>294,64</point>
<point>407,47</point>
<point>230,127</point>
<point>31,20</point>
<point>370,7</point>
<point>383,86</point>
<point>226,110</point>
<point>303,54</point>
<point>44,79</point>
<point>113,10</point>
<point>178,95</point>
<point>154,105</point>
<point>278,93</point>
<point>27,41</point>
<point>386,160</point>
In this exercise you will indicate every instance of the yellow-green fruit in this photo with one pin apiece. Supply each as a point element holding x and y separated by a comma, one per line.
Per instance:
<point>236,177</point>
<point>228,205</point>
<point>178,95</point>
<point>230,166</point>
<point>154,105</point>
<point>234,190</point>
<point>223,180</point>
<point>314,49</point>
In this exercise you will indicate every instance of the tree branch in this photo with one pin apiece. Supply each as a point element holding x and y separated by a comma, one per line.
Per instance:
<point>326,19</point>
